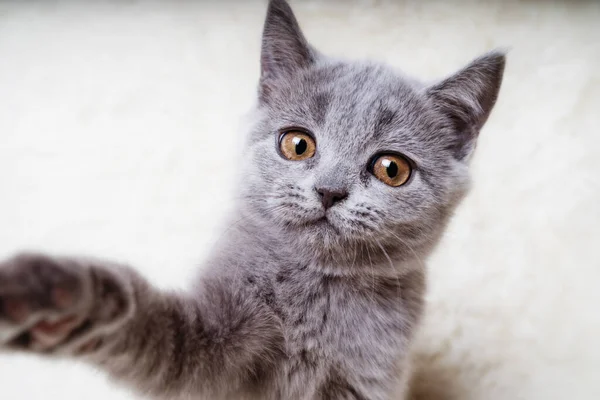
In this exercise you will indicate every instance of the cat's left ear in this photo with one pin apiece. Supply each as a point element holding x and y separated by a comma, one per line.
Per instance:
<point>284,47</point>
<point>468,97</point>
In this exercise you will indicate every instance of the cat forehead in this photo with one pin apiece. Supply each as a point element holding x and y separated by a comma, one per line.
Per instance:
<point>368,101</point>
<point>348,85</point>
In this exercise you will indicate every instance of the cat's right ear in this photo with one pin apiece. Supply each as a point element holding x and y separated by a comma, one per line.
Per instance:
<point>284,48</point>
<point>468,97</point>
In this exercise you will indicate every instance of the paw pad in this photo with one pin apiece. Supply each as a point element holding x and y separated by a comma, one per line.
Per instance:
<point>15,309</point>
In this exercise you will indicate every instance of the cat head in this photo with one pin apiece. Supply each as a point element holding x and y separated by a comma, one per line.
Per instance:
<point>353,159</point>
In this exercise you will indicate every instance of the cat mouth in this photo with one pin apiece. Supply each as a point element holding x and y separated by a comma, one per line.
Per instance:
<point>325,223</point>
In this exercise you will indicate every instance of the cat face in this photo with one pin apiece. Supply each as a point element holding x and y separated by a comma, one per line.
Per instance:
<point>346,154</point>
<point>345,118</point>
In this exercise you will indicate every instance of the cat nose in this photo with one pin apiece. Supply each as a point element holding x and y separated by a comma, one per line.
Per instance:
<point>330,196</point>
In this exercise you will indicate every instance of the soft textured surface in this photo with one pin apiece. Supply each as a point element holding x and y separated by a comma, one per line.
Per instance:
<point>119,129</point>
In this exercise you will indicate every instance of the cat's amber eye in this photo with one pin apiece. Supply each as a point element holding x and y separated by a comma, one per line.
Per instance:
<point>297,145</point>
<point>391,169</point>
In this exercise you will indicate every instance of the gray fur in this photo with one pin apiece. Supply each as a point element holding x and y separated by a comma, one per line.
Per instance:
<point>290,306</point>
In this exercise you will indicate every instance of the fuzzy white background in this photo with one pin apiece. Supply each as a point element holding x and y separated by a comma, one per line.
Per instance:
<point>119,137</point>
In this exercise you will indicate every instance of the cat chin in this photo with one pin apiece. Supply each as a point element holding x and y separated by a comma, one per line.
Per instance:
<point>324,235</point>
<point>327,231</point>
<point>321,232</point>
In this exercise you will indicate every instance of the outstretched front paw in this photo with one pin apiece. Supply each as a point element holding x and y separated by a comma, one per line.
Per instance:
<point>61,305</point>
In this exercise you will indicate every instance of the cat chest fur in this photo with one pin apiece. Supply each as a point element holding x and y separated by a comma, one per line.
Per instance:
<point>338,328</point>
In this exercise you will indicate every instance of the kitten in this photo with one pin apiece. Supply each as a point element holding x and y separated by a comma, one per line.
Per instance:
<point>352,172</point>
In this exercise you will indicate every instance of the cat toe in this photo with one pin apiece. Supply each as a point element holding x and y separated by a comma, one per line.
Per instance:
<point>14,309</point>
<point>40,298</point>
<point>46,334</point>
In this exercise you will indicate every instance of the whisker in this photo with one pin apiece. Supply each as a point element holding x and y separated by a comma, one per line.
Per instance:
<point>391,264</point>
<point>404,243</point>
<point>372,275</point>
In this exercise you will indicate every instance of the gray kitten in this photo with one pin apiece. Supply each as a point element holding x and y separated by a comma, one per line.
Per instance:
<point>352,172</point>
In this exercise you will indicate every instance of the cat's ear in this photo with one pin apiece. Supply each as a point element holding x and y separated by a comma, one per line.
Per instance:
<point>468,96</point>
<point>284,48</point>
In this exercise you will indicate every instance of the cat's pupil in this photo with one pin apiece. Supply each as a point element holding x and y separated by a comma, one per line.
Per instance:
<point>301,145</point>
<point>392,169</point>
